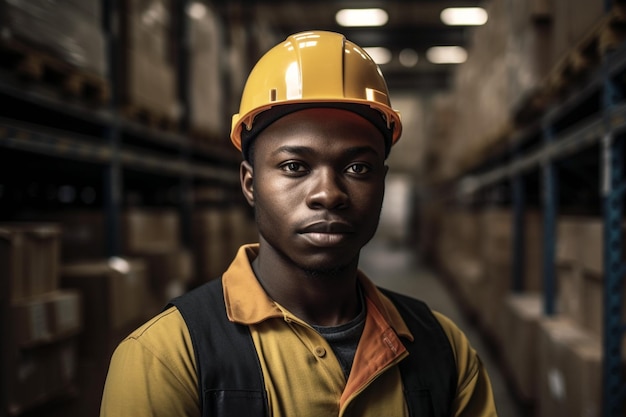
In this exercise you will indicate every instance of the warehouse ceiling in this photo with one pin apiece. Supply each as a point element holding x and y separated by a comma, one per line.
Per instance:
<point>413,25</point>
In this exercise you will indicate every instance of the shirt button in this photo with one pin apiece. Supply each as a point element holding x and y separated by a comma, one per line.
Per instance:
<point>320,352</point>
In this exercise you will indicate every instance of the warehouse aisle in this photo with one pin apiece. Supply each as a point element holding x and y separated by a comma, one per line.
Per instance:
<point>396,269</point>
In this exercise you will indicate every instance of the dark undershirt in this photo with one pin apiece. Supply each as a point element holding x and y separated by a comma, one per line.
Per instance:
<point>344,339</point>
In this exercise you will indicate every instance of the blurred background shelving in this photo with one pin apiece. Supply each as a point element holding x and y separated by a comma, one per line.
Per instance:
<point>119,187</point>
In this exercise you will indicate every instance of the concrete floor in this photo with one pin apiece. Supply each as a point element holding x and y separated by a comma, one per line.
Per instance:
<point>396,269</point>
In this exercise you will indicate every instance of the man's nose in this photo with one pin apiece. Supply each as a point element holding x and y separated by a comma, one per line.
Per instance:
<point>328,191</point>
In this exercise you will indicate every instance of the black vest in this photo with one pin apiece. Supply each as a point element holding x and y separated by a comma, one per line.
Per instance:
<point>229,372</point>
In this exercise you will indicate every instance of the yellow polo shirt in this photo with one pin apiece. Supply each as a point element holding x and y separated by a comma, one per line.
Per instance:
<point>152,372</point>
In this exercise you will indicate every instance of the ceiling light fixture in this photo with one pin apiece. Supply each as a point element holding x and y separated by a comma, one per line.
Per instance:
<point>464,16</point>
<point>379,54</point>
<point>408,57</point>
<point>361,17</point>
<point>446,55</point>
<point>196,10</point>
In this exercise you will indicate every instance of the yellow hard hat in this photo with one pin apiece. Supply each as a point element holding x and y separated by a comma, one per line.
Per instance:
<point>315,69</point>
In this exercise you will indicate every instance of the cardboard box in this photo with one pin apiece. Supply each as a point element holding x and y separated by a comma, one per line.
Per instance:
<point>84,234</point>
<point>46,318</point>
<point>115,293</point>
<point>150,87</point>
<point>570,376</point>
<point>206,92</point>
<point>210,248</point>
<point>149,76</point>
<point>497,253</point>
<point>169,272</point>
<point>593,303</point>
<point>520,322</point>
<point>570,286</point>
<point>29,258</point>
<point>41,374</point>
<point>148,230</point>
<point>533,251</point>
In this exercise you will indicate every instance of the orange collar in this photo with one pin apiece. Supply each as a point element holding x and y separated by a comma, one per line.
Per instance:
<point>247,302</point>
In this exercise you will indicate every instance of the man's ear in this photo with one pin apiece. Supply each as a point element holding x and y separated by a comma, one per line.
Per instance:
<point>246,176</point>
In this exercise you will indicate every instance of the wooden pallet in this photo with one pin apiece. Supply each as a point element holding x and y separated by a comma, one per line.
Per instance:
<point>150,118</point>
<point>575,66</point>
<point>35,65</point>
<point>607,35</point>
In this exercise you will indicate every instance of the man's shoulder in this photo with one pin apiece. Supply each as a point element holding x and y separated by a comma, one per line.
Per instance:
<point>163,333</point>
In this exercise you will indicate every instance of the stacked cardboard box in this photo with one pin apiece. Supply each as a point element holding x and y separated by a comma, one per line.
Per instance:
<point>39,350</point>
<point>153,235</point>
<point>115,293</point>
<point>520,339</point>
<point>149,74</point>
<point>496,256</point>
<point>459,255</point>
<point>218,234</point>
<point>206,78</point>
<point>84,233</point>
<point>570,370</point>
<point>510,59</point>
<point>580,269</point>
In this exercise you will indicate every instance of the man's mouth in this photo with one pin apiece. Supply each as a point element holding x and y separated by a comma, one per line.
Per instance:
<point>327,233</point>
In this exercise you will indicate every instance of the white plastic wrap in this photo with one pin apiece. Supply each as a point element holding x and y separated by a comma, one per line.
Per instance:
<point>69,29</point>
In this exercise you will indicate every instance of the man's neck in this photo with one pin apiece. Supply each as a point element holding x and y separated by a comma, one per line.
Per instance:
<point>324,298</point>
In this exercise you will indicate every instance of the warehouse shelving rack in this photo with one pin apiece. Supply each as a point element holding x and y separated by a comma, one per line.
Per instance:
<point>43,132</point>
<point>589,122</point>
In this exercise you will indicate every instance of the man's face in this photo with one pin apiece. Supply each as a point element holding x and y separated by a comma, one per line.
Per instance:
<point>317,186</point>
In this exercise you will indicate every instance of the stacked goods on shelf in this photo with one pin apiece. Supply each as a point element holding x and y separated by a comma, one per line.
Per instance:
<point>218,234</point>
<point>84,233</point>
<point>518,323</point>
<point>148,75</point>
<point>115,299</point>
<point>57,41</point>
<point>570,370</point>
<point>581,272</point>
<point>40,346</point>
<point>459,256</point>
<point>511,57</point>
<point>475,249</point>
<point>520,318</point>
<point>206,98</point>
<point>210,234</point>
<point>569,374</point>
<point>153,235</point>
<point>496,258</point>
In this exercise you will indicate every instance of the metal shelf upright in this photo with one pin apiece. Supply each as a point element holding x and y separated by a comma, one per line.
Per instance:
<point>613,190</point>
<point>550,212</point>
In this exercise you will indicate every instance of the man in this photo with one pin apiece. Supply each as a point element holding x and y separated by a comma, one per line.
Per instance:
<point>293,328</point>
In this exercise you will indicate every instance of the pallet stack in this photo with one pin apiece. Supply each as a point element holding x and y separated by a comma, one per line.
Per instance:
<point>521,61</point>
<point>148,88</point>
<point>40,348</point>
<point>115,295</point>
<point>552,362</point>
<point>154,236</point>
<point>59,44</point>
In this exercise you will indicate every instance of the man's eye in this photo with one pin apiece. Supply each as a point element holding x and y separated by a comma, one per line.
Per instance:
<point>292,167</point>
<point>358,169</point>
